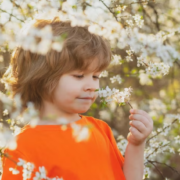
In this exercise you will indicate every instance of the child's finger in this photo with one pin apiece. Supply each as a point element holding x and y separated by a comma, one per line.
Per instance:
<point>137,111</point>
<point>137,135</point>
<point>139,126</point>
<point>140,118</point>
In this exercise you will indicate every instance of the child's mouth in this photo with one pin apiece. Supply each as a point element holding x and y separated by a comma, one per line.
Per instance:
<point>86,98</point>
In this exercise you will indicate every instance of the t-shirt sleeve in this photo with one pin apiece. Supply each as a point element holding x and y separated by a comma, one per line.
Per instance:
<point>11,163</point>
<point>110,135</point>
<point>114,144</point>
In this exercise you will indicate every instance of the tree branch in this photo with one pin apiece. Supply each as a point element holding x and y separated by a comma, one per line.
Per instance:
<point>158,170</point>
<point>12,15</point>
<point>109,9</point>
<point>173,169</point>
<point>157,16</point>
<point>160,131</point>
<point>156,150</point>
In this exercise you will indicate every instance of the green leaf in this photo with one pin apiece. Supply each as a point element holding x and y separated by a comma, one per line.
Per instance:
<point>122,104</point>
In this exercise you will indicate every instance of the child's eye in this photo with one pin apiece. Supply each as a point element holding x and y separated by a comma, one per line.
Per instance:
<point>81,76</point>
<point>96,77</point>
<point>78,76</point>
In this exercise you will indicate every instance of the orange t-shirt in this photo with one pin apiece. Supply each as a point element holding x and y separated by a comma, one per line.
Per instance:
<point>56,149</point>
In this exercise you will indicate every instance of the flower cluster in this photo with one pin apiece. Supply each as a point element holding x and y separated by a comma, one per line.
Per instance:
<point>116,60</point>
<point>116,78</point>
<point>138,20</point>
<point>148,45</point>
<point>29,39</point>
<point>157,69</point>
<point>120,97</point>
<point>177,139</point>
<point>28,170</point>
<point>157,106</point>
<point>122,143</point>
<point>104,74</point>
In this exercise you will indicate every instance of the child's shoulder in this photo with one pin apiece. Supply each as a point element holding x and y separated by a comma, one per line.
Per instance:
<point>102,127</point>
<point>98,122</point>
<point>26,132</point>
<point>95,120</point>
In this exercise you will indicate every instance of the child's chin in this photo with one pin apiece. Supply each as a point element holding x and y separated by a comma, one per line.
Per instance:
<point>82,111</point>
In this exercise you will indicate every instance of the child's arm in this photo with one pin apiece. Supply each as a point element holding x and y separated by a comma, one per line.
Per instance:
<point>141,127</point>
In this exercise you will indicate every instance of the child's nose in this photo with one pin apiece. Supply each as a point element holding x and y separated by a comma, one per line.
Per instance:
<point>91,85</point>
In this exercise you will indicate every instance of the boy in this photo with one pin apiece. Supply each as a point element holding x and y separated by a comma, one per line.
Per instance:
<point>63,84</point>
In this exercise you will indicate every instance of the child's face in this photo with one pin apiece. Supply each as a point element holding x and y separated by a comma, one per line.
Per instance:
<point>75,91</point>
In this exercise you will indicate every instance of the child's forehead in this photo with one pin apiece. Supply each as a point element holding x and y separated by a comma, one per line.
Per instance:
<point>92,67</point>
<point>85,71</point>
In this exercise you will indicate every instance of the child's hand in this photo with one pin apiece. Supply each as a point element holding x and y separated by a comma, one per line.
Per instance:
<point>141,127</point>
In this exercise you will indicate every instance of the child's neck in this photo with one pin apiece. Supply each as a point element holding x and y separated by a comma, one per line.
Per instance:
<point>49,114</point>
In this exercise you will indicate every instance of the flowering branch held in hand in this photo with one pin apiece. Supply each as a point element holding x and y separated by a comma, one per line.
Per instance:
<point>121,97</point>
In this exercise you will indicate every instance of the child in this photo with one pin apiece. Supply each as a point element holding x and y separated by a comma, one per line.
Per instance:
<point>63,84</point>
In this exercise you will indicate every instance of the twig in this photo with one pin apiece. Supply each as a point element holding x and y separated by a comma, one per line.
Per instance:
<point>158,170</point>
<point>173,169</point>
<point>156,150</point>
<point>19,7</point>
<point>109,9</point>
<point>129,104</point>
<point>139,2</point>
<point>172,82</point>
<point>7,156</point>
<point>12,15</point>
<point>160,131</point>
<point>146,64</point>
<point>145,13</point>
<point>157,16</point>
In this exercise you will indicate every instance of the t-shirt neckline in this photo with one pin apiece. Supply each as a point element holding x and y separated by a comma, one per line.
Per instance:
<point>79,121</point>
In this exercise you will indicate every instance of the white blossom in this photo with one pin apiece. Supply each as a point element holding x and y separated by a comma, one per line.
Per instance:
<point>5,112</point>
<point>80,132</point>
<point>139,21</point>
<point>129,58</point>
<point>115,95</point>
<point>21,162</point>
<point>157,105</point>
<point>116,60</point>
<point>14,171</point>
<point>122,143</point>
<point>130,22</point>
<point>177,139</point>
<point>157,69</point>
<point>104,74</point>
<point>27,170</point>
<point>116,78</point>
<point>41,174</point>
<point>147,172</point>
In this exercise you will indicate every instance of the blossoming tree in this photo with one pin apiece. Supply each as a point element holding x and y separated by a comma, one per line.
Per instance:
<point>144,37</point>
